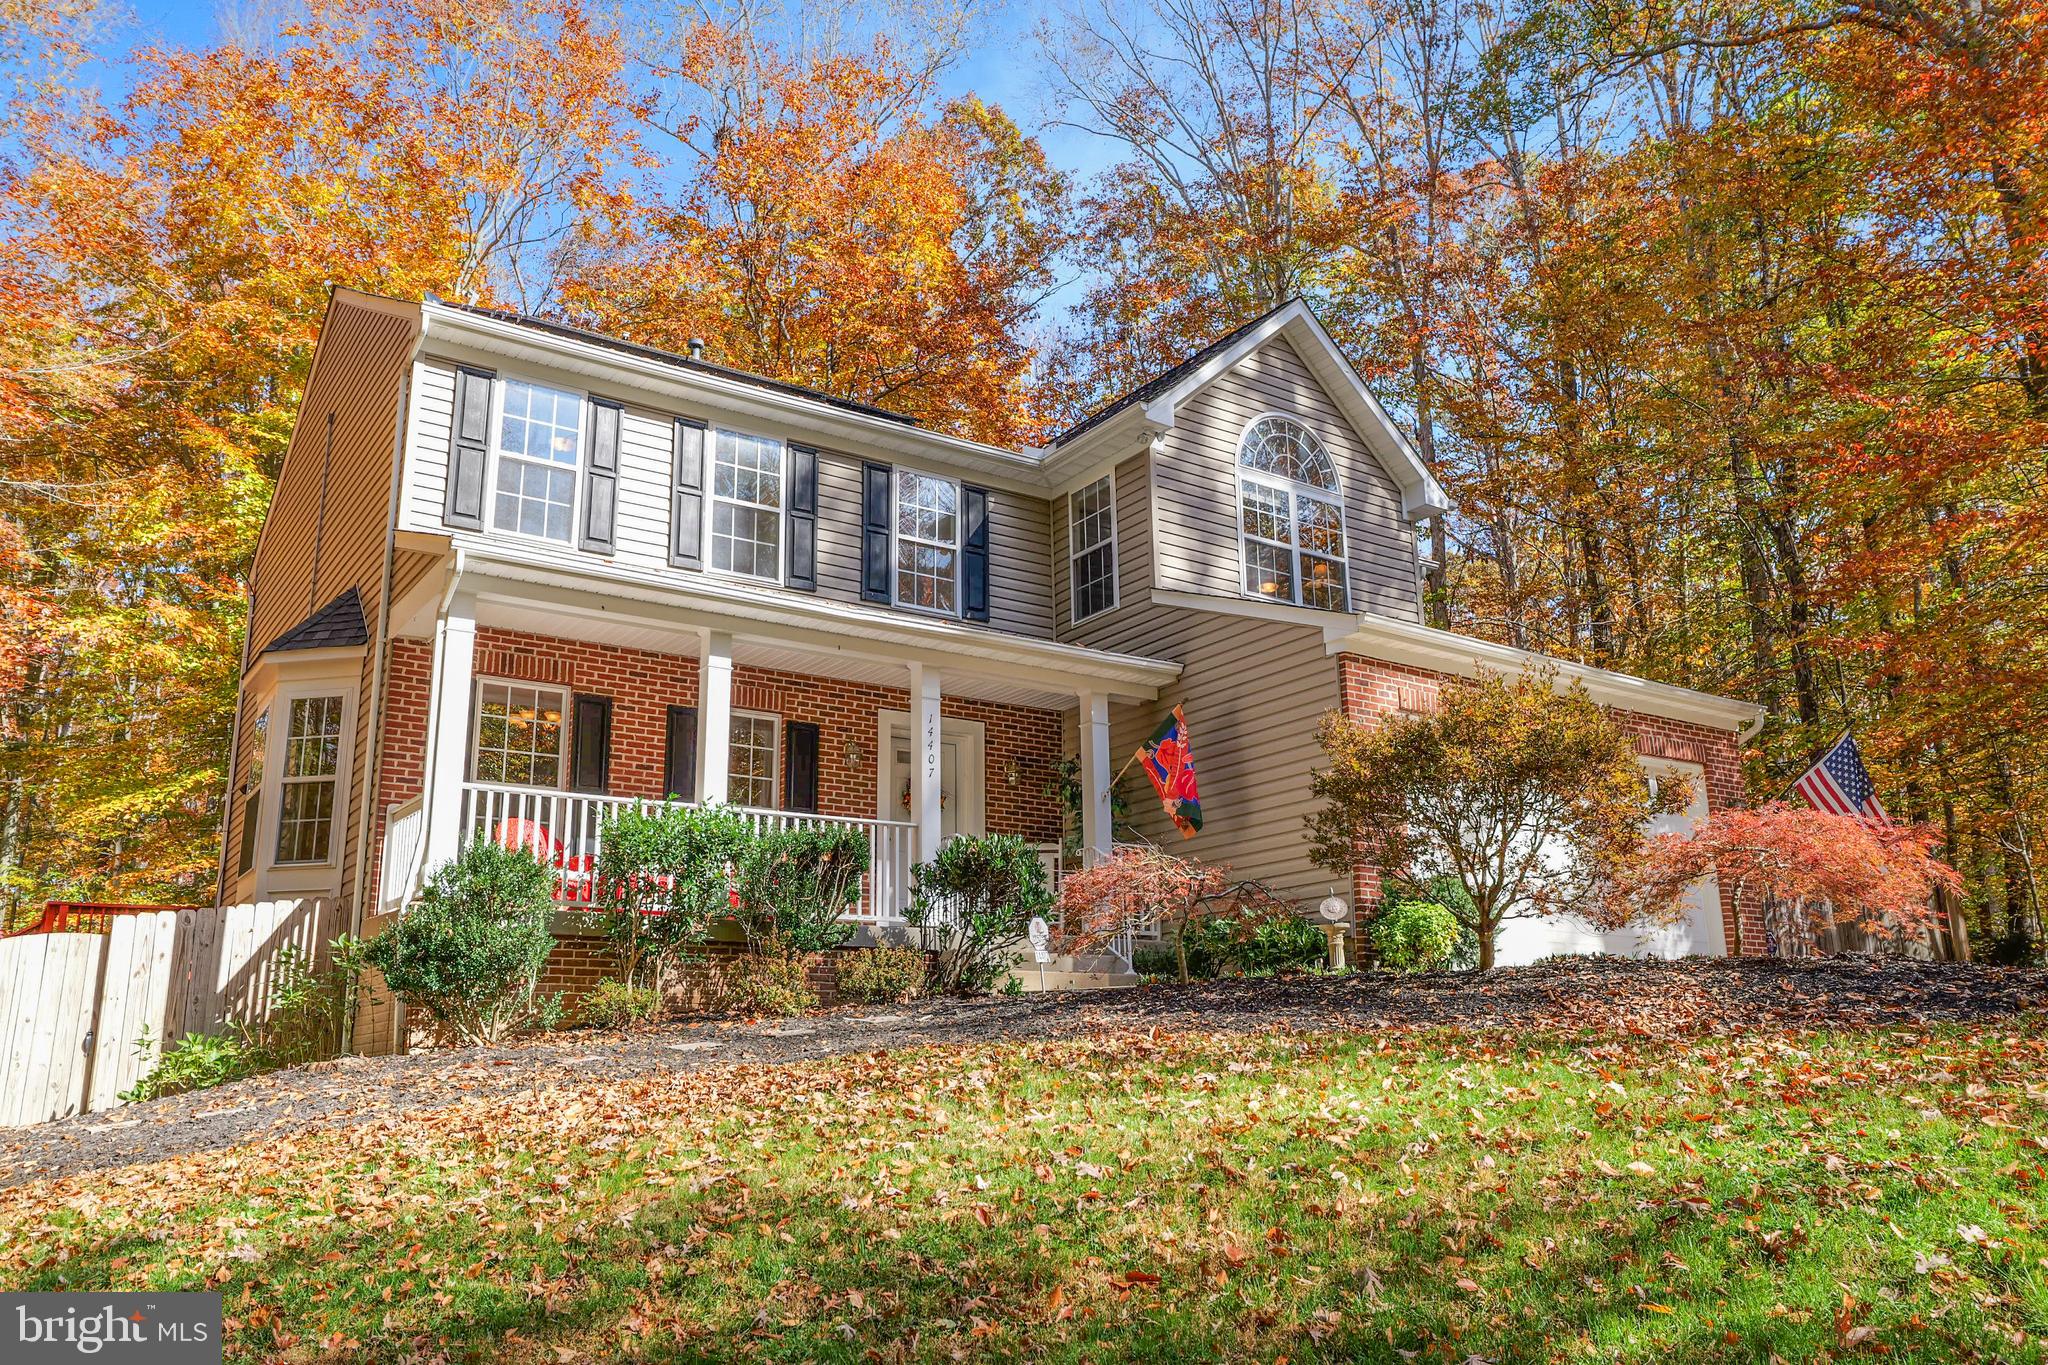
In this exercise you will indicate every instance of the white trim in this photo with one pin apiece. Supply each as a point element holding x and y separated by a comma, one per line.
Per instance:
<point>712,499</point>
<point>1074,554</point>
<point>1379,637</point>
<point>1421,495</point>
<point>854,433</point>
<point>586,585</point>
<point>970,735</point>
<point>1295,490</point>
<point>959,546</point>
<point>566,747</point>
<point>493,456</point>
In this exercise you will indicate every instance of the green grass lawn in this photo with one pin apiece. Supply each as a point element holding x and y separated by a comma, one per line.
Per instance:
<point>1415,1196</point>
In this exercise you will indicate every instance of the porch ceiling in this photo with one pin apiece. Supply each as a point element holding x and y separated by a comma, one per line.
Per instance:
<point>832,641</point>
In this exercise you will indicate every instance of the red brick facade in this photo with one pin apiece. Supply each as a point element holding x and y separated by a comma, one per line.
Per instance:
<point>1023,746</point>
<point>1374,687</point>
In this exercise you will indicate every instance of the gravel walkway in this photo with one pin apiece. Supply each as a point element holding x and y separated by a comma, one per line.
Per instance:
<point>1605,996</point>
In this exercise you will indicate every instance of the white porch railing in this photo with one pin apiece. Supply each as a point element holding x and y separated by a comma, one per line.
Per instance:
<point>405,830</point>
<point>566,831</point>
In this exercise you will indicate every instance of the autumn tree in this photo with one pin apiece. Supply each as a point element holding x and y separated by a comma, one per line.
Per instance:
<point>1142,886</point>
<point>837,226</point>
<point>1526,793</point>
<point>1803,871</point>
<point>167,263</point>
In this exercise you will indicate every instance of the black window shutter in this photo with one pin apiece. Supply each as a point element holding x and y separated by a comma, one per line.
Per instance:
<point>686,515</point>
<point>468,449</point>
<point>679,765</point>
<point>802,519</point>
<point>590,768</point>
<point>874,533</point>
<point>974,559</point>
<point>601,478</point>
<point>799,766</point>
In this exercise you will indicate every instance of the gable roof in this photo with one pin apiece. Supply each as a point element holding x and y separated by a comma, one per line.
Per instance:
<point>338,625</point>
<point>1151,405</point>
<point>1161,382</point>
<point>697,363</point>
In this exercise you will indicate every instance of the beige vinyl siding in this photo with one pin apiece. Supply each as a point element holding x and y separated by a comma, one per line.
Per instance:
<point>1110,629</point>
<point>356,377</point>
<point>1196,519</point>
<point>1020,596</point>
<point>1254,693</point>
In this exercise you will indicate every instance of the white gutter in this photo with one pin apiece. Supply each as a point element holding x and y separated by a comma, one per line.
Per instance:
<point>1442,651</point>
<point>862,629</point>
<point>445,323</point>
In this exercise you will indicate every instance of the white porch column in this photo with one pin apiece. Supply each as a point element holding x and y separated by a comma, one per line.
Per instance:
<point>448,738</point>
<point>1096,836</point>
<point>926,786</point>
<point>714,717</point>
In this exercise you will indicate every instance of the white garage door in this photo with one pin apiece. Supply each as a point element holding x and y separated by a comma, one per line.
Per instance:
<point>1698,934</point>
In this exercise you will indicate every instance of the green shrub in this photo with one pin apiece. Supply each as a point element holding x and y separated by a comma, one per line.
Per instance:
<point>796,884</point>
<point>469,953</point>
<point>876,976</point>
<point>1449,893</point>
<point>1272,943</point>
<point>663,871</point>
<point>1415,936</point>
<point>973,902</point>
<point>195,1062</point>
<point>1157,960</point>
<point>771,984</point>
<point>616,1004</point>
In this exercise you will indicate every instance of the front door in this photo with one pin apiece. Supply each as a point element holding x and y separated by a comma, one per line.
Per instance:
<point>960,788</point>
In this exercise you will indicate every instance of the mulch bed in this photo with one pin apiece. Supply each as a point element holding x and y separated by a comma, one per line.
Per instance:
<point>1604,996</point>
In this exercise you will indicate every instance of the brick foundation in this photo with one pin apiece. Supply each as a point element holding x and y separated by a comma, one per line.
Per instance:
<point>580,961</point>
<point>1373,687</point>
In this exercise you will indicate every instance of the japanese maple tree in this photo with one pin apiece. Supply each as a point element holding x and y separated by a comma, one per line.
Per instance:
<point>1135,886</point>
<point>1802,870</point>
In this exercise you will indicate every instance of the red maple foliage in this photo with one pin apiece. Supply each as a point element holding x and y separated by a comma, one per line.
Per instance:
<point>1803,869</point>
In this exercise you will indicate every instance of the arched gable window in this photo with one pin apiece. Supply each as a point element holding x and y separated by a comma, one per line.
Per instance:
<point>1293,516</point>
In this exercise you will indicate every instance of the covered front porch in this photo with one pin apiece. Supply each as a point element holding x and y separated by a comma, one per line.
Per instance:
<point>538,704</point>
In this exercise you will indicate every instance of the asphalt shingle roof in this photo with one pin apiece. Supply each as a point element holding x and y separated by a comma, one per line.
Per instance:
<point>1163,381</point>
<point>338,625</point>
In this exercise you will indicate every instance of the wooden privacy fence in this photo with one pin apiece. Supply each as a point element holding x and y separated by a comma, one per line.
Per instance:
<point>74,1006</point>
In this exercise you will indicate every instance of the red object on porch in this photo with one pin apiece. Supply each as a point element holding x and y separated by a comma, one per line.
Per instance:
<point>531,836</point>
<point>89,917</point>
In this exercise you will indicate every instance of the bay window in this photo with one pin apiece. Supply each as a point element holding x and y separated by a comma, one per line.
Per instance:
<point>307,780</point>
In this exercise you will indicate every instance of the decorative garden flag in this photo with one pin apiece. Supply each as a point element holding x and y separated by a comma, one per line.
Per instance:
<point>1170,763</point>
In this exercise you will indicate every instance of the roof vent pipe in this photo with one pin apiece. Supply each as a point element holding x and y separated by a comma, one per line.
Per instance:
<point>696,348</point>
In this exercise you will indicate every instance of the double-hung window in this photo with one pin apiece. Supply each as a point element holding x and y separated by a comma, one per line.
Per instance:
<point>539,438</point>
<point>1291,516</point>
<point>1091,535</point>
<point>927,543</point>
<point>519,734</point>
<point>307,779</point>
<point>750,780</point>
<point>746,505</point>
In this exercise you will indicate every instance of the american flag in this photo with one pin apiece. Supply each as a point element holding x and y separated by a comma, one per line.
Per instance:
<point>1839,785</point>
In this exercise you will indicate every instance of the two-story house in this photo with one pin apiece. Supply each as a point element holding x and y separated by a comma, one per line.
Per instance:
<point>516,574</point>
